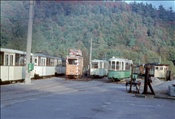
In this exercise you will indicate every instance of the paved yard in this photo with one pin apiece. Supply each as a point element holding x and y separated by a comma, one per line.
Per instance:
<point>57,98</point>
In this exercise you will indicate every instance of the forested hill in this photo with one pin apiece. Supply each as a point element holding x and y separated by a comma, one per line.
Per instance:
<point>135,31</point>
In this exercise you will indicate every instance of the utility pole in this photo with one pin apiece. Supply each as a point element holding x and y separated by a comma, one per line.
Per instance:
<point>90,57</point>
<point>29,41</point>
<point>160,60</point>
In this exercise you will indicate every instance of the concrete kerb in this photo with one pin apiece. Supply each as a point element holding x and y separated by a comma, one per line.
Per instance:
<point>155,96</point>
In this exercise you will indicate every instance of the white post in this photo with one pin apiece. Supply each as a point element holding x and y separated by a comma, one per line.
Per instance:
<point>29,41</point>
<point>160,60</point>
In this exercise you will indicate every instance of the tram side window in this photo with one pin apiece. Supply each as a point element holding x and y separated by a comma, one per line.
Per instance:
<point>11,60</point>
<point>19,60</point>
<point>6,60</point>
<point>51,62</point>
<point>55,62</point>
<point>48,62</point>
<point>22,60</point>
<point>117,65</point>
<point>36,61</point>
<point>43,62</point>
<point>94,65</point>
<point>1,58</point>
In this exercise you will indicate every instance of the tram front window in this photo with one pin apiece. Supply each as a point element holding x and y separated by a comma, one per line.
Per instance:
<point>72,61</point>
<point>113,65</point>
<point>117,65</point>
<point>94,65</point>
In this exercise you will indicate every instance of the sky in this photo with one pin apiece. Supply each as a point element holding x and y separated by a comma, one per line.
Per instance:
<point>166,3</point>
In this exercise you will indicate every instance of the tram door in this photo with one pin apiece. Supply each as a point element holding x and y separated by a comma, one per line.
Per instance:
<point>8,69</point>
<point>43,66</point>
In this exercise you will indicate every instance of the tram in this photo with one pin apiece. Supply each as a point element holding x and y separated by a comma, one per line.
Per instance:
<point>119,68</point>
<point>60,68</point>
<point>74,64</point>
<point>13,63</point>
<point>99,68</point>
<point>44,65</point>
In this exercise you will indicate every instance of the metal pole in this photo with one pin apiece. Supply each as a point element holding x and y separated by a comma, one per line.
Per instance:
<point>131,81</point>
<point>147,72</point>
<point>90,57</point>
<point>29,41</point>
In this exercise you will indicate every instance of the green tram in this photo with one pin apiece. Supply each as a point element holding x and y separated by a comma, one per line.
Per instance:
<point>119,68</point>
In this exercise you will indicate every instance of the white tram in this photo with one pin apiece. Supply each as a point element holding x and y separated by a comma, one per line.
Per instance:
<point>99,68</point>
<point>161,70</point>
<point>44,65</point>
<point>13,63</point>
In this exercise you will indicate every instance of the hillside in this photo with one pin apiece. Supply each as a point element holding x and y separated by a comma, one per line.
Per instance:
<point>134,31</point>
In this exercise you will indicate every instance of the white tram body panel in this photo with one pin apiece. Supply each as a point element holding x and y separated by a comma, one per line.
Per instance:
<point>44,70</point>
<point>7,73</point>
<point>99,68</point>
<point>20,71</point>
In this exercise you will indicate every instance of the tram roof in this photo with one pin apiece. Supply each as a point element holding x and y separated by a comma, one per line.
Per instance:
<point>22,52</point>
<point>12,51</point>
<point>97,60</point>
<point>120,59</point>
<point>44,55</point>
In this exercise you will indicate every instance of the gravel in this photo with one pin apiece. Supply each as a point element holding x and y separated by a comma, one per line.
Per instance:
<point>160,86</point>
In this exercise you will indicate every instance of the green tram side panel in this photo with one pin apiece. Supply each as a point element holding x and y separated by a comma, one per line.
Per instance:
<point>119,74</point>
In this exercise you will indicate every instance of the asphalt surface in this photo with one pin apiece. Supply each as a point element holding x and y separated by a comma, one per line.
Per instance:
<point>58,98</point>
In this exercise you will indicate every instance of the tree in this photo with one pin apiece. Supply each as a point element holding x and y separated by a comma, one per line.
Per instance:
<point>172,53</point>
